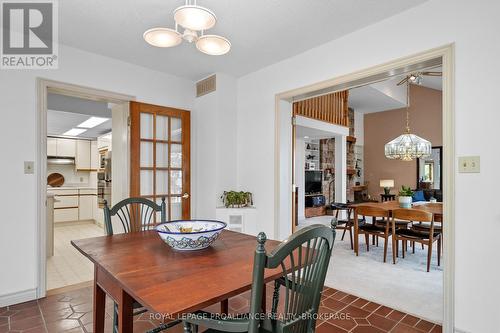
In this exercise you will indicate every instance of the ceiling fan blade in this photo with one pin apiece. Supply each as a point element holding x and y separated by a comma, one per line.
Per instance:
<point>402,81</point>
<point>432,73</point>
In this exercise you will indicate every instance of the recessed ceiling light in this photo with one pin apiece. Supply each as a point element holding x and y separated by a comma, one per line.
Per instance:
<point>92,122</point>
<point>75,131</point>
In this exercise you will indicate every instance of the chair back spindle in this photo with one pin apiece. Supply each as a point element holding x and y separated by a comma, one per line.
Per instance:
<point>303,259</point>
<point>134,214</point>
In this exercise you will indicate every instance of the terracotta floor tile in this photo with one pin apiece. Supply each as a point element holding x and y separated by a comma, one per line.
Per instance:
<point>410,320</point>
<point>339,295</point>
<point>437,329</point>
<point>360,302</point>
<point>334,304</point>
<point>381,322</point>
<point>72,312</point>
<point>402,328</point>
<point>367,329</point>
<point>349,299</point>
<point>424,325</point>
<point>26,323</point>
<point>355,312</point>
<point>371,306</point>
<point>328,328</point>
<point>383,311</point>
<point>62,325</point>
<point>396,315</point>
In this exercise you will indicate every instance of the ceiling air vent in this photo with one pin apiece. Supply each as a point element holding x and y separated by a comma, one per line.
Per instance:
<point>205,86</point>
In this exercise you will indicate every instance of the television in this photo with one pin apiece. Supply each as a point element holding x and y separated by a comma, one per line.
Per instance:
<point>313,182</point>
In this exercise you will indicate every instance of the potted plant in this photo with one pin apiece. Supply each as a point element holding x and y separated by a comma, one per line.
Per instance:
<point>236,199</point>
<point>405,197</point>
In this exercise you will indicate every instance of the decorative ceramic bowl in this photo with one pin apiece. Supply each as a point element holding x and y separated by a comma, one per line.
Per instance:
<point>188,235</point>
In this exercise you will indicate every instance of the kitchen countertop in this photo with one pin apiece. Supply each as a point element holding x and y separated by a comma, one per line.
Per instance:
<point>49,188</point>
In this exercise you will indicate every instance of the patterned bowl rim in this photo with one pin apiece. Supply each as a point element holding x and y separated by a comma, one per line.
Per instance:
<point>223,225</point>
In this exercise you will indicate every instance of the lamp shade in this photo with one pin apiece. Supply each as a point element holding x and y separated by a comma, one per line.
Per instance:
<point>387,183</point>
<point>213,45</point>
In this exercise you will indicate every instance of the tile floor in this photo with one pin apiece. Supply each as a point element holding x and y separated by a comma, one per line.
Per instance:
<point>68,266</point>
<point>405,286</point>
<point>72,312</point>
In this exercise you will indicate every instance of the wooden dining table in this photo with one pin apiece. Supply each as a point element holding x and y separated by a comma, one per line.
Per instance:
<point>140,266</point>
<point>435,208</point>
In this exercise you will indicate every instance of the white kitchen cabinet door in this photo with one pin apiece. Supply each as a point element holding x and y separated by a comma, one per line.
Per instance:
<point>51,147</point>
<point>65,215</point>
<point>66,147</point>
<point>86,211</point>
<point>82,159</point>
<point>94,156</point>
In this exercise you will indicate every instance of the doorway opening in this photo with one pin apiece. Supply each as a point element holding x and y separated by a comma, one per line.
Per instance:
<point>287,201</point>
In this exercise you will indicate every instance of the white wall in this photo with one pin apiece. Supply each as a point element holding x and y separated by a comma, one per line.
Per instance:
<point>18,130</point>
<point>473,27</point>
<point>215,137</point>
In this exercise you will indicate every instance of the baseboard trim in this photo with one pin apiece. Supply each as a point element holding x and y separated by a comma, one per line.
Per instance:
<point>18,297</point>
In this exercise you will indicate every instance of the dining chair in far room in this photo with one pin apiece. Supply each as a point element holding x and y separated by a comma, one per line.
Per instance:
<point>303,262</point>
<point>438,227</point>
<point>412,234</point>
<point>135,214</point>
<point>374,228</point>
<point>345,224</point>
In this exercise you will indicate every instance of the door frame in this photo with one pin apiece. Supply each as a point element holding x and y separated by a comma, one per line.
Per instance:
<point>43,87</point>
<point>447,55</point>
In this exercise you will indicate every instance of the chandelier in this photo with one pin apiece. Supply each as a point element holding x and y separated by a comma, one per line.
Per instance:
<point>195,20</point>
<point>407,146</point>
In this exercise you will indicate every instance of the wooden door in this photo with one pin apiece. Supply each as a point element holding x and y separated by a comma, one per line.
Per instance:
<point>160,157</point>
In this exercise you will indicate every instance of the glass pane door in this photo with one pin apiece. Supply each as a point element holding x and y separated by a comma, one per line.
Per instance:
<point>160,157</point>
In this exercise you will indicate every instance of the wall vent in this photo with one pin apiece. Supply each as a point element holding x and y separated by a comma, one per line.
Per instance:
<point>206,86</point>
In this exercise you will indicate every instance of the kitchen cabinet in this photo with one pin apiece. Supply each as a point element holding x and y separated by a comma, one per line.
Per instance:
<point>65,147</point>
<point>51,147</point>
<point>82,160</point>
<point>65,214</point>
<point>85,208</point>
<point>94,156</point>
<point>61,147</point>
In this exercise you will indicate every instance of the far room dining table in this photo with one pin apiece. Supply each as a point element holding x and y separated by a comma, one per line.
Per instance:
<point>140,266</point>
<point>435,208</point>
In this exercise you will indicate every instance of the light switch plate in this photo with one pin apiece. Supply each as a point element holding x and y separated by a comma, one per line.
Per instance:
<point>469,164</point>
<point>29,167</point>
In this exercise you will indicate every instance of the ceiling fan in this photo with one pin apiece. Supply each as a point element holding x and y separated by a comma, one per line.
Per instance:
<point>195,20</point>
<point>417,77</point>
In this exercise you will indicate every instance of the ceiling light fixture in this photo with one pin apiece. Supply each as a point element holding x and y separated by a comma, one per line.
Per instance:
<point>407,146</point>
<point>92,122</point>
<point>75,131</point>
<point>193,19</point>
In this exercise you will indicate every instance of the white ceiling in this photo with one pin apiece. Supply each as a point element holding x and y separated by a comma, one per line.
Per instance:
<point>368,99</point>
<point>262,32</point>
<point>65,113</point>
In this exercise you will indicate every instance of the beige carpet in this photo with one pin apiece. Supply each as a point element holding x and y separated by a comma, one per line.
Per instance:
<point>405,286</point>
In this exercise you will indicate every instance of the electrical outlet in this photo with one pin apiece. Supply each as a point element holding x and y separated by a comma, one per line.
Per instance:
<point>29,167</point>
<point>469,164</point>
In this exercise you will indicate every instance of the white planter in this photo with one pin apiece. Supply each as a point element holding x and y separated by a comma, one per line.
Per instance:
<point>405,202</point>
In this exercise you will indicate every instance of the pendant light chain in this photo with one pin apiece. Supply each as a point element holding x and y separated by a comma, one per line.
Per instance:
<point>408,106</point>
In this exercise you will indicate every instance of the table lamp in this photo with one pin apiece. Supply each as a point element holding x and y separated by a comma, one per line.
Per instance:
<point>387,184</point>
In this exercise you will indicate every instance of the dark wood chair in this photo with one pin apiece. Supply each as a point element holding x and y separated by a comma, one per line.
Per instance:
<point>135,214</point>
<point>372,228</point>
<point>412,234</point>
<point>303,259</point>
<point>346,224</point>
<point>426,227</point>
